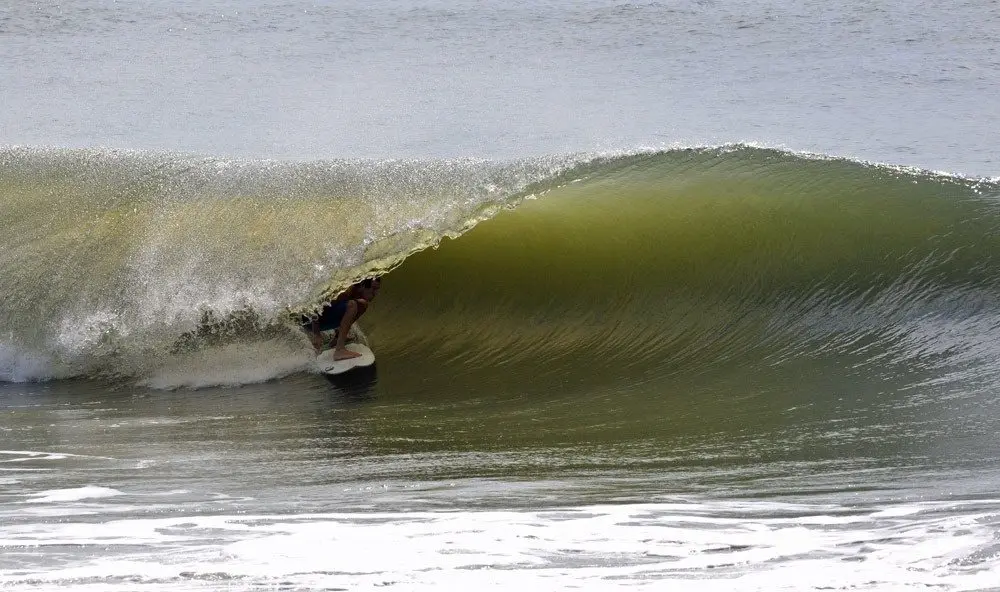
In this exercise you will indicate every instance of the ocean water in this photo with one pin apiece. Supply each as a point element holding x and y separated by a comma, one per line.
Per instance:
<point>676,295</point>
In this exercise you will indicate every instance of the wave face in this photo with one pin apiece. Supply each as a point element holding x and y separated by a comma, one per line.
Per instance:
<point>565,272</point>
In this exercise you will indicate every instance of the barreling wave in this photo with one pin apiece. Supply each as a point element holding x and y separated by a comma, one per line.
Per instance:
<point>582,269</point>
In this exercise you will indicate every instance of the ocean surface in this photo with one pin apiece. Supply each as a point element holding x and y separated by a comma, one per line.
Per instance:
<point>677,295</point>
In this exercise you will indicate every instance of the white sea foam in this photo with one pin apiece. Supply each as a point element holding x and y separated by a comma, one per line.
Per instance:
<point>72,495</point>
<point>716,546</point>
<point>19,366</point>
<point>230,365</point>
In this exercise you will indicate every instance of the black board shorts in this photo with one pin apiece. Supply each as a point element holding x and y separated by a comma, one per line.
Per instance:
<point>329,319</point>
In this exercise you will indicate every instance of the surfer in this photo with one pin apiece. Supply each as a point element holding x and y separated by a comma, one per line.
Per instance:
<point>340,313</point>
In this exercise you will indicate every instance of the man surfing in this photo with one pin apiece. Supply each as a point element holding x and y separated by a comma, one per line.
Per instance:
<point>340,314</point>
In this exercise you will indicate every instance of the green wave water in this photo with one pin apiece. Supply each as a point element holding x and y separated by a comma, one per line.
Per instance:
<point>562,273</point>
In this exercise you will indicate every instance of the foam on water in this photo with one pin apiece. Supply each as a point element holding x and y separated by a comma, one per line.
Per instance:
<point>233,364</point>
<point>750,545</point>
<point>20,366</point>
<point>72,495</point>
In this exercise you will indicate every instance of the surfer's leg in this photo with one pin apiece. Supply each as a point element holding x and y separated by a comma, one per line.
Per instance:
<point>362,307</point>
<point>353,310</point>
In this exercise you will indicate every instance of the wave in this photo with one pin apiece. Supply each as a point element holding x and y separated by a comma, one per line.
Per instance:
<point>585,268</point>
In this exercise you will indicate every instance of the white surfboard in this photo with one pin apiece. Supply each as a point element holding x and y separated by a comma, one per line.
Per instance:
<point>327,365</point>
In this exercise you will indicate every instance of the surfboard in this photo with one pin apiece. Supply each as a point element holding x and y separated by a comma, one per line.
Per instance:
<point>327,365</point>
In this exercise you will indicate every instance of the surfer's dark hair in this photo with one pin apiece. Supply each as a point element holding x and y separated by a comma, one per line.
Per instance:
<point>367,283</point>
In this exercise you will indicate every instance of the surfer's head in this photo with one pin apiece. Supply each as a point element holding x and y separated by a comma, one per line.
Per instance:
<point>371,286</point>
